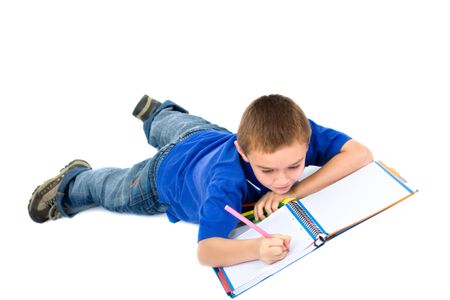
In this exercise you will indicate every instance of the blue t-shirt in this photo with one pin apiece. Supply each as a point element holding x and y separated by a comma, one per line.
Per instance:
<point>203,173</point>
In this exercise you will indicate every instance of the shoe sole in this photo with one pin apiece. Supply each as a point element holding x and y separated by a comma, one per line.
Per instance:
<point>55,180</point>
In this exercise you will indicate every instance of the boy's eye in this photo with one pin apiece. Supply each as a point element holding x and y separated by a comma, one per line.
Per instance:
<point>267,171</point>
<point>294,167</point>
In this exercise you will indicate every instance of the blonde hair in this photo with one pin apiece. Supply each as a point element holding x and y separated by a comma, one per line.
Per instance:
<point>271,122</point>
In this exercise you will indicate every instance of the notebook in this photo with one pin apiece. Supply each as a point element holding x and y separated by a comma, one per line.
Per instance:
<point>316,219</point>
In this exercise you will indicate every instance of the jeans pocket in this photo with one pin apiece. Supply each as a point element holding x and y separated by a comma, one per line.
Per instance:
<point>137,193</point>
<point>142,201</point>
<point>139,197</point>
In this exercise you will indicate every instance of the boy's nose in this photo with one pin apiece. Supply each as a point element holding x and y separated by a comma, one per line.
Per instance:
<point>282,180</point>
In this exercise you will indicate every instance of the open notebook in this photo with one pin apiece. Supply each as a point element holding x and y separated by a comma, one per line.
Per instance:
<point>317,218</point>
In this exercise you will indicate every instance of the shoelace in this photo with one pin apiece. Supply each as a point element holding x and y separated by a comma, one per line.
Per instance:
<point>53,212</point>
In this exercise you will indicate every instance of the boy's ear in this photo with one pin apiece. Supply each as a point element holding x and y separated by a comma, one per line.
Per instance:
<point>241,152</point>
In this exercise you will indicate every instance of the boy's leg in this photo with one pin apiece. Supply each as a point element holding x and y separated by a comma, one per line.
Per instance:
<point>77,187</point>
<point>168,122</point>
<point>123,190</point>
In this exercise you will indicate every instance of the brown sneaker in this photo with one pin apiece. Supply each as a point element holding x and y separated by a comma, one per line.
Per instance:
<point>42,205</point>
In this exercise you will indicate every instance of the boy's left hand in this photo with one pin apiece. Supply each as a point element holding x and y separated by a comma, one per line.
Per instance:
<point>268,204</point>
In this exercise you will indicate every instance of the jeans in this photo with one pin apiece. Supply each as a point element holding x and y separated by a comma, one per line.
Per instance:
<point>131,190</point>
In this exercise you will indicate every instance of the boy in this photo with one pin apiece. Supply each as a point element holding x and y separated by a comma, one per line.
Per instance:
<point>200,167</point>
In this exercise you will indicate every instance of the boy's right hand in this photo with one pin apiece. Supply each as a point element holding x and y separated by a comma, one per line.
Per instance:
<point>274,249</point>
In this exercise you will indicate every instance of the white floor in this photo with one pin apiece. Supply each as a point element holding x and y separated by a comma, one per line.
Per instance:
<point>71,74</point>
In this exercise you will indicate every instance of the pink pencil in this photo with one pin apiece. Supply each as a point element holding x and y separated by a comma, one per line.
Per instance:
<point>247,222</point>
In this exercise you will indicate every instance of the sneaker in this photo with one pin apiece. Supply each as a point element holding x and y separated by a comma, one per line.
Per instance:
<point>145,108</point>
<point>42,205</point>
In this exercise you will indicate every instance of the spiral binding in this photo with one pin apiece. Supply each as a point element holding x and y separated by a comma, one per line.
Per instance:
<point>307,221</point>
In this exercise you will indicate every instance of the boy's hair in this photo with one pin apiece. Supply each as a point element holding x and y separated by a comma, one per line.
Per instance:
<point>271,122</point>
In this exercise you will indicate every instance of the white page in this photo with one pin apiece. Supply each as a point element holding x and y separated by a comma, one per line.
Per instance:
<point>354,198</point>
<point>245,275</point>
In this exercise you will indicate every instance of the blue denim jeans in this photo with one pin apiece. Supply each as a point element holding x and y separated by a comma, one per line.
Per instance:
<point>131,190</point>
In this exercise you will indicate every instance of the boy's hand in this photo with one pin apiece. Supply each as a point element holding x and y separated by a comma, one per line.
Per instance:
<point>268,203</point>
<point>274,249</point>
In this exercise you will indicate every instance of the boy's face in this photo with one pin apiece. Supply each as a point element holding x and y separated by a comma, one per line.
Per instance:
<point>278,171</point>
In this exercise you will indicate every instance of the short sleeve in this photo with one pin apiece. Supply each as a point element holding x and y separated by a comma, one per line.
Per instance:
<point>324,144</point>
<point>214,220</point>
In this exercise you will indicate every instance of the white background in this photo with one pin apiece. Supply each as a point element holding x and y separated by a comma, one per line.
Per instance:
<point>72,71</point>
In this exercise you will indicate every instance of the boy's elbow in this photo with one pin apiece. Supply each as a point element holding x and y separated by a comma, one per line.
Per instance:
<point>201,254</point>
<point>361,155</point>
<point>364,155</point>
<point>204,253</point>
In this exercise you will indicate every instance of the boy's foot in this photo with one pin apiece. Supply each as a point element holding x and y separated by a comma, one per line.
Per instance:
<point>145,108</point>
<point>42,205</point>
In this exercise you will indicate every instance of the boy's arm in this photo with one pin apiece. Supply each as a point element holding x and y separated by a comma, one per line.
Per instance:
<point>220,252</point>
<point>350,158</point>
